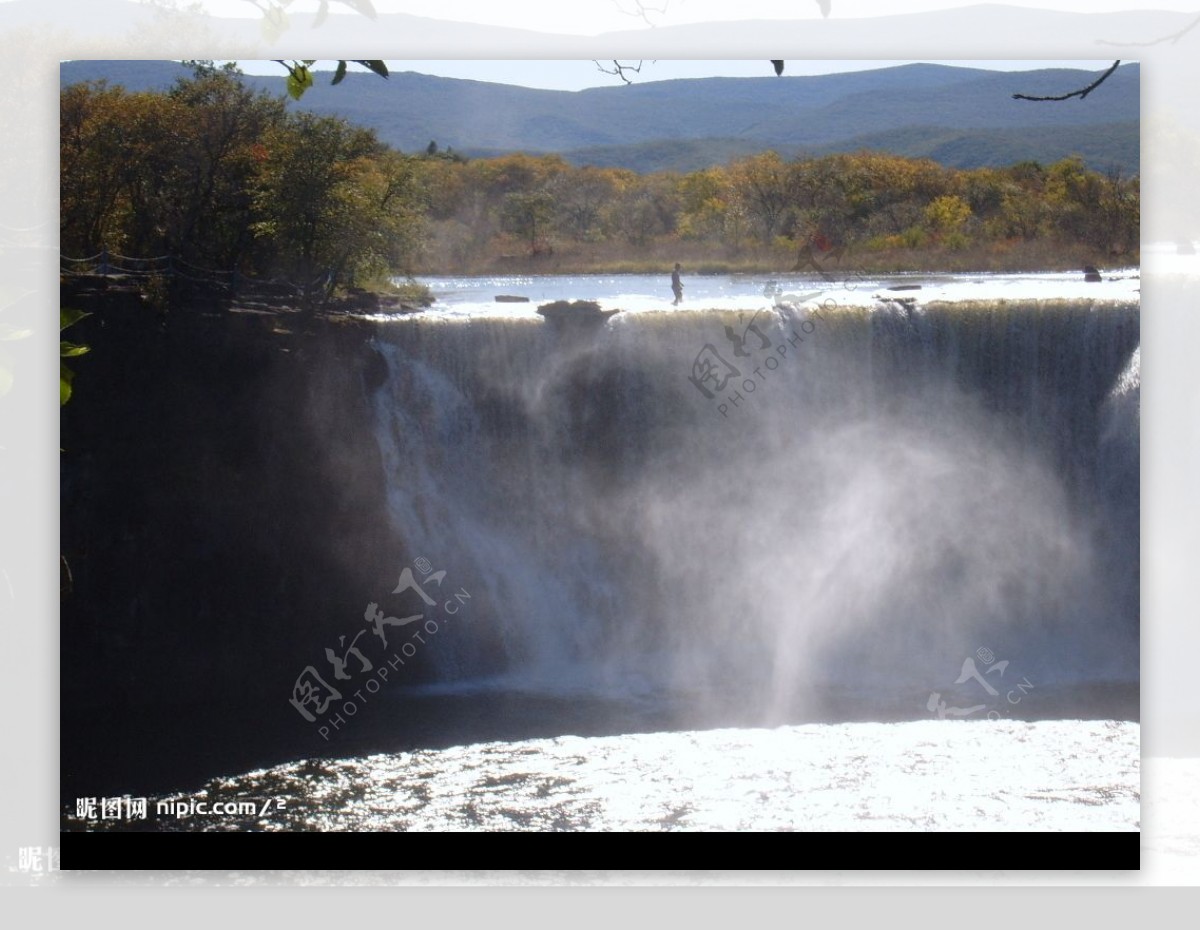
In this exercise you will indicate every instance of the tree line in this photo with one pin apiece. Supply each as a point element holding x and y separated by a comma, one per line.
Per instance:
<point>227,179</point>
<point>865,206</point>
<point>230,179</point>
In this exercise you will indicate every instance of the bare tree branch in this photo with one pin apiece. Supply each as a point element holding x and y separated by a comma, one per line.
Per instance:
<point>621,69</point>
<point>1172,38</point>
<point>1081,93</point>
<point>642,10</point>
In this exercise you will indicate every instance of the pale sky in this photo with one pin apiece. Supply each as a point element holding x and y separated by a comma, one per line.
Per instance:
<point>578,74</point>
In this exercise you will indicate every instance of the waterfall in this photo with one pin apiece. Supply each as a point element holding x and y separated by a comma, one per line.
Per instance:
<point>875,494</point>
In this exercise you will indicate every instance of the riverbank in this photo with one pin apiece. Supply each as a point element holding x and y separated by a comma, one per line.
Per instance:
<point>161,293</point>
<point>1010,257</point>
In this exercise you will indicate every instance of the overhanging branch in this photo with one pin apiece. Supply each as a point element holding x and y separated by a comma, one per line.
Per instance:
<point>1081,93</point>
<point>620,69</point>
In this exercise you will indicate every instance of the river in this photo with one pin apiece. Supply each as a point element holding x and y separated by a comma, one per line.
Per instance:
<point>798,554</point>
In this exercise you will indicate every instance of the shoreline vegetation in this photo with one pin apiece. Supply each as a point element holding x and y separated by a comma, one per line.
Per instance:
<point>1020,258</point>
<point>91,293</point>
<point>220,192</point>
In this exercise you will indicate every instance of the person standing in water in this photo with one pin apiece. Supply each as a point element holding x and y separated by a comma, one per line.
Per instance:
<point>677,285</point>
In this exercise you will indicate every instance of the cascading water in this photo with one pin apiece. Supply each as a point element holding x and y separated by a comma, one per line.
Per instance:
<point>876,494</point>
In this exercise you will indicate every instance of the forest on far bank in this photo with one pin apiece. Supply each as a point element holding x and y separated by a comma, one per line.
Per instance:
<point>227,181</point>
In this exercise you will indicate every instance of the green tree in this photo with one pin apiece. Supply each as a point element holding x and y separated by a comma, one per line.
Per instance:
<point>528,215</point>
<point>764,184</point>
<point>321,202</point>
<point>580,197</point>
<point>219,124</point>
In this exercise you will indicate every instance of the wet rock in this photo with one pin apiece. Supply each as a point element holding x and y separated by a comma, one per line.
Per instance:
<point>574,311</point>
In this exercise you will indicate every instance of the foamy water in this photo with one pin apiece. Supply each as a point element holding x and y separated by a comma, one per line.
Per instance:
<point>459,297</point>
<point>929,775</point>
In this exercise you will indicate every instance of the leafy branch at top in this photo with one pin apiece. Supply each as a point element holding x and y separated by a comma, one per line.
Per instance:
<point>300,73</point>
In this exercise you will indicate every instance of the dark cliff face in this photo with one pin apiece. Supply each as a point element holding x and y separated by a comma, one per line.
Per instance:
<point>223,521</point>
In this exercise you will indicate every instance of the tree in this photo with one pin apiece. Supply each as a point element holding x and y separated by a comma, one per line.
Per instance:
<point>528,215</point>
<point>710,208</point>
<point>764,183</point>
<point>1091,208</point>
<point>329,198</point>
<point>947,215</point>
<point>580,197</point>
<point>647,208</point>
<point>92,145</point>
<point>163,174</point>
<point>221,124</point>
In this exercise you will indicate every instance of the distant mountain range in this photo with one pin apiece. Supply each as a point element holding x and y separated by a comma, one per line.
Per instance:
<point>959,116</point>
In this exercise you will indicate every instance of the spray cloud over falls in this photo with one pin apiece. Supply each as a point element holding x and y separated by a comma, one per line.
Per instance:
<point>900,489</point>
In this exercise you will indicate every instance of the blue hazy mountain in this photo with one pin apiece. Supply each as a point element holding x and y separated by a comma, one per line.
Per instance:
<point>960,116</point>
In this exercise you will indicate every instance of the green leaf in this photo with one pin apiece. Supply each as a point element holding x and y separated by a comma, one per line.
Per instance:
<point>8,333</point>
<point>340,74</point>
<point>65,377</point>
<point>299,80</point>
<point>377,66</point>
<point>69,316</point>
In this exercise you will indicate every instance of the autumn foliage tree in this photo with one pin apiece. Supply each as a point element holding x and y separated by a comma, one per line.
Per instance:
<point>225,180</point>
<point>766,208</point>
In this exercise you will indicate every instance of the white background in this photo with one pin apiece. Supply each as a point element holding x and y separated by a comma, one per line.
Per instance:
<point>36,36</point>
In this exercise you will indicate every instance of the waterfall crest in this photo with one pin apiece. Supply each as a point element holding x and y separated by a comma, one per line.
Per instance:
<point>875,494</point>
